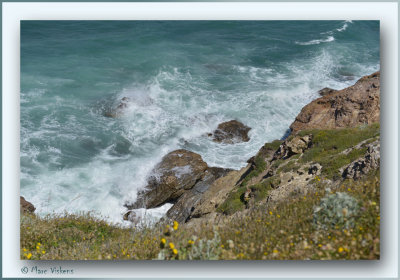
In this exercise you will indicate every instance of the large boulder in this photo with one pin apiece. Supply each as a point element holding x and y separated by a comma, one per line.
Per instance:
<point>26,206</point>
<point>350,107</point>
<point>231,132</point>
<point>178,172</point>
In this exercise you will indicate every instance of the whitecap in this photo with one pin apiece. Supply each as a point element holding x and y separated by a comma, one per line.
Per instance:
<point>316,42</point>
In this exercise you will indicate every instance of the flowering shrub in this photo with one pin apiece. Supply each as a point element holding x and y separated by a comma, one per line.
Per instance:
<point>194,249</point>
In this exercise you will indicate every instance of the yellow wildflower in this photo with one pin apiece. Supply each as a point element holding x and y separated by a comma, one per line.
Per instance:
<point>163,241</point>
<point>175,251</point>
<point>29,256</point>
<point>278,216</point>
<point>25,250</point>
<point>340,250</point>
<point>171,245</point>
<point>176,224</point>
<point>43,252</point>
<point>39,244</point>
<point>270,212</point>
<point>275,251</point>
<point>319,245</point>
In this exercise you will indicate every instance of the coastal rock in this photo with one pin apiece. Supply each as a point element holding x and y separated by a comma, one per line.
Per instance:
<point>178,171</point>
<point>326,91</point>
<point>231,132</point>
<point>186,204</point>
<point>292,146</point>
<point>362,166</point>
<point>216,194</point>
<point>350,107</point>
<point>26,206</point>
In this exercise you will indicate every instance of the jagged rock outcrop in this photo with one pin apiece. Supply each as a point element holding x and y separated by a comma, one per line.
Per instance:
<point>296,145</point>
<point>178,172</point>
<point>353,106</point>
<point>362,166</point>
<point>26,206</point>
<point>231,132</point>
<point>216,194</point>
<point>187,203</point>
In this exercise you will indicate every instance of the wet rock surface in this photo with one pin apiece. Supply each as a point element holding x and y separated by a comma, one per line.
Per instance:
<point>231,132</point>
<point>178,171</point>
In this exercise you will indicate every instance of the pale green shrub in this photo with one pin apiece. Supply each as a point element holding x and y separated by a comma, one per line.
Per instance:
<point>336,209</point>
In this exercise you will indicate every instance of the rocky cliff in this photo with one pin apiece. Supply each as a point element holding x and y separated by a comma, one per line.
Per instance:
<point>334,138</point>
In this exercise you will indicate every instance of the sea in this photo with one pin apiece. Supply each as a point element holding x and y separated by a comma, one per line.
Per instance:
<point>182,79</point>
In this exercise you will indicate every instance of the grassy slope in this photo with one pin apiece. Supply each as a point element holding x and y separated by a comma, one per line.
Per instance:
<point>327,147</point>
<point>284,231</point>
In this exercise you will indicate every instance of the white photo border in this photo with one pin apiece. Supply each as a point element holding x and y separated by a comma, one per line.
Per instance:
<point>385,12</point>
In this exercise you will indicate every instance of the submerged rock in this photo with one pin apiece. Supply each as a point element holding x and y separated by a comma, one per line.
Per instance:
<point>350,107</point>
<point>116,112</point>
<point>178,171</point>
<point>231,132</point>
<point>26,206</point>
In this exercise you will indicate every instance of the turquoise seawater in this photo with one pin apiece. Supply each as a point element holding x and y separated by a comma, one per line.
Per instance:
<point>183,78</point>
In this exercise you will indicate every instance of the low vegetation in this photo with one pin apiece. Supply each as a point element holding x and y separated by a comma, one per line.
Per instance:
<point>283,231</point>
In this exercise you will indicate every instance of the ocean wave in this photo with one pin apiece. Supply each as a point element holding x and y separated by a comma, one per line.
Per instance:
<point>316,42</point>
<point>344,27</point>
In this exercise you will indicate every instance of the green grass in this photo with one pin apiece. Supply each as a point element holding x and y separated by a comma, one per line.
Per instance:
<point>327,146</point>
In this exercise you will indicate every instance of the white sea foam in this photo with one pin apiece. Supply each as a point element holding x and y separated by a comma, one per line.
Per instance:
<point>316,42</point>
<point>345,25</point>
